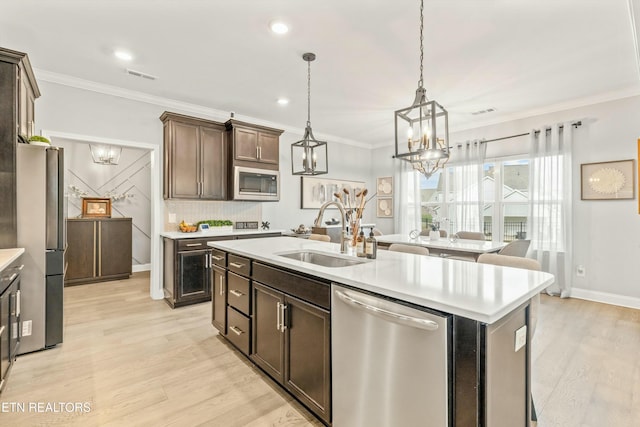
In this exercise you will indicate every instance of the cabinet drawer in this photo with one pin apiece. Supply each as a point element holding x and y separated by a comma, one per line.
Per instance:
<point>192,244</point>
<point>305,288</point>
<point>239,265</point>
<point>219,257</point>
<point>238,329</point>
<point>238,291</point>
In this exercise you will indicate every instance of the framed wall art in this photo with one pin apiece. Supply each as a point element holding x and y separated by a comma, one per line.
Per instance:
<point>608,180</point>
<point>385,186</point>
<point>96,207</point>
<point>316,191</point>
<point>384,207</point>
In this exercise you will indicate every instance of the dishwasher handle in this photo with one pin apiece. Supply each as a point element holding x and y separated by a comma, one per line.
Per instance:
<point>415,322</point>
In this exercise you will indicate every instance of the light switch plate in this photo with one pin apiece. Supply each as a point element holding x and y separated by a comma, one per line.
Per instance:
<point>172,218</point>
<point>521,338</point>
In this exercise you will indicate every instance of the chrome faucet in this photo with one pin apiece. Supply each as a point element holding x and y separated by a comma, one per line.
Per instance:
<point>343,235</point>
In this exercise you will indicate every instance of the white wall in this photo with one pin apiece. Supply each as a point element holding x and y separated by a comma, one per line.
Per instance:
<point>606,234</point>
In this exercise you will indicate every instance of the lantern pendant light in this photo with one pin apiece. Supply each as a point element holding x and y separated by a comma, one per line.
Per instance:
<point>423,128</point>
<point>309,156</point>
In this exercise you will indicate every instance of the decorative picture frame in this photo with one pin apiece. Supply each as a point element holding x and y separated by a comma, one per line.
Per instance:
<point>614,180</point>
<point>316,191</point>
<point>96,207</point>
<point>384,186</point>
<point>384,207</point>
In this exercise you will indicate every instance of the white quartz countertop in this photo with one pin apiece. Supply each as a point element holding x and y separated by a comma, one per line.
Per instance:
<point>200,234</point>
<point>480,292</point>
<point>7,256</point>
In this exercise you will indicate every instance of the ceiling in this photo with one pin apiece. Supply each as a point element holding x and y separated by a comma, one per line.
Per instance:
<point>519,57</point>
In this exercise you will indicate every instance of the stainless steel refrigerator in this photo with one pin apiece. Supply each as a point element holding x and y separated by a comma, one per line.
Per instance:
<point>40,208</point>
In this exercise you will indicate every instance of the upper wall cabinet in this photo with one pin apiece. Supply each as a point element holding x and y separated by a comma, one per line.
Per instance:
<point>195,158</point>
<point>253,146</point>
<point>19,90</point>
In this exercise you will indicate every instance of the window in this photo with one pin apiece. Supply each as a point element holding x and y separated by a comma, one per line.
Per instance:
<point>505,190</point>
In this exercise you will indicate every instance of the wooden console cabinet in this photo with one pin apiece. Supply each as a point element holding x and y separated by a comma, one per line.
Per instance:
<point>99,249</point>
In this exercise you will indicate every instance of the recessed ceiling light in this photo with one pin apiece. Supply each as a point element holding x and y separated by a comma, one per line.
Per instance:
<point>279,27</point>
<point>283,101</point>
<point>123,54</point>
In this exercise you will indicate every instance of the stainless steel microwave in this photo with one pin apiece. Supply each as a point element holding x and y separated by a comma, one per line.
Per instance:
<point>255,184</point>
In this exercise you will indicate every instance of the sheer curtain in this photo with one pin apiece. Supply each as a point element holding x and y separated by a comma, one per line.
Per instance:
<point>550,204</point>
<point>407,214</point>
<point>467,186</point>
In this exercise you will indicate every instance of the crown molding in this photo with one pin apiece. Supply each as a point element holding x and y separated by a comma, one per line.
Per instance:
<point>628,92</point>
<point>172,104</point>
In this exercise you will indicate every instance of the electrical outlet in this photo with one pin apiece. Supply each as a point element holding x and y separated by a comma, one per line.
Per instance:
<point>580,271</point>
<point>172,218</point>
<point>521,338</point>
<point>27,328</point>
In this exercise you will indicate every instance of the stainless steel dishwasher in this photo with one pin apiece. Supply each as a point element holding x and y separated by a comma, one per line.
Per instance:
<point>390,363</point>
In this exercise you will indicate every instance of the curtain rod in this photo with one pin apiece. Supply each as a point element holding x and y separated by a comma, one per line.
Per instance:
<point>574,124</point>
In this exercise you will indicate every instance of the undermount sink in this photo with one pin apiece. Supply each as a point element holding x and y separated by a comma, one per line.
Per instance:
<point>323,259</point>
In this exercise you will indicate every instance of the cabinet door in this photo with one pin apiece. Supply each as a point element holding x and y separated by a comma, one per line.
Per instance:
<point>245,143</point>
<point>5,326</point>
<point>114,256</point>
<point>185,172</point>
<point>219,296</point>
<point>267,338</point>
<point>193,275</point>
<point>81,249</point>
<point>214,164</point>
<point>269,148</point>
<point>307,355</point>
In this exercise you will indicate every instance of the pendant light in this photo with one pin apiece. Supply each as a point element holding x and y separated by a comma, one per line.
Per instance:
<point>423,128</point>
<point>309,156</point>
<point>105,154</point>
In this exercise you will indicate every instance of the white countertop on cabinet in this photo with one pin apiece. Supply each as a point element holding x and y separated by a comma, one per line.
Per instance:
<point>200,234</point>
<point>481,292</point>
<point>7,256</point>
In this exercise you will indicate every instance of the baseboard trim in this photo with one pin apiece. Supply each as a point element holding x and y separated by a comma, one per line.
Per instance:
<point>606,298</point>
<point>140,267</point>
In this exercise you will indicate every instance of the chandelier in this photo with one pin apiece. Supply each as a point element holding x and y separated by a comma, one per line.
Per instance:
<point>105,154</point>
<point>309,156</point>
<point>423,127</point>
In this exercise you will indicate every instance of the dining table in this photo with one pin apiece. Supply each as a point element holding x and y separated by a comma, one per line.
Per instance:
<point>444,246</point>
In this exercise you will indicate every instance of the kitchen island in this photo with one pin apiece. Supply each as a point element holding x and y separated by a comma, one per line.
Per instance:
<point>485,310</point>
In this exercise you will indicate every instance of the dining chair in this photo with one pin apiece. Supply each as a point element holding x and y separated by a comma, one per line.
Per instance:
<point>399,247</point>
<point>471,235</point>
<point>516,248</point>
<point>528,264</point>
<point>320,237</point>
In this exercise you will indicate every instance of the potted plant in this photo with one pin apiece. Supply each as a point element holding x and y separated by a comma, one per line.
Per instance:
<point>39,140</point>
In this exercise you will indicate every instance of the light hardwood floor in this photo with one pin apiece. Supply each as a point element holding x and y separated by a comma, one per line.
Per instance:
<point>139,363</point>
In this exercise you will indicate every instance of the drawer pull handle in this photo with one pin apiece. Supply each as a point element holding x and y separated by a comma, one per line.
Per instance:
<point>236,293</point>
<point>217,258</point>
<point>236,331</point>
<point>193,244</point>
<point>2,330</point>
<point>20,268</point>
<point>236,264</point>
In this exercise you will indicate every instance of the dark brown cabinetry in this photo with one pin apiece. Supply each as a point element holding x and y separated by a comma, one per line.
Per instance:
<point>291,336</point>
<point>195,156</point>
<point>281,320</point>
<point>98,250</point>
<point>9,317</point>
<point>253,146</point>
<point>187,271</point>
<point>19,90</point>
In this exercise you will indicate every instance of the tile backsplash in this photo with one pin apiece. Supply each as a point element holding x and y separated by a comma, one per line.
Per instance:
<point>194,211</point>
